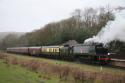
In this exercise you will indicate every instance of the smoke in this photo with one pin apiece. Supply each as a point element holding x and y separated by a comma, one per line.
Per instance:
<point>114,30</point>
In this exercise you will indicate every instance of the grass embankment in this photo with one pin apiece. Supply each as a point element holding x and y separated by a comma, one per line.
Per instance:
<point>16,74</point>
<point>54,71</point>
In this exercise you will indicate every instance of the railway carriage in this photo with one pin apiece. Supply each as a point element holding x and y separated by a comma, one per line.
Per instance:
<point>35,51</point>
<point>21,50</point>
<point>50,51</point>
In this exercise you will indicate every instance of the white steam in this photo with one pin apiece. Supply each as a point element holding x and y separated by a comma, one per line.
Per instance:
<point>114,30</point>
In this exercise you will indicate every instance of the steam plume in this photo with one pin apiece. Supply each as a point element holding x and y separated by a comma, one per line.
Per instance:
<point>114,30</point>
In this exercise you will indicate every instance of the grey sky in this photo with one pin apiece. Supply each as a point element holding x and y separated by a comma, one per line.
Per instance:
<point>27,15</point>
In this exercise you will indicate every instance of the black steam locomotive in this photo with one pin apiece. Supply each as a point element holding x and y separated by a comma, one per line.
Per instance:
<point>82,52</point>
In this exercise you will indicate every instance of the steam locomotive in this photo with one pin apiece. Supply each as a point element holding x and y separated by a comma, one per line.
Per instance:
<point>83,52</point>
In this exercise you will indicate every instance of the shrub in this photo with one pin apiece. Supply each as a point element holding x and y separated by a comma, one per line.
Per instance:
<point>14,61</point>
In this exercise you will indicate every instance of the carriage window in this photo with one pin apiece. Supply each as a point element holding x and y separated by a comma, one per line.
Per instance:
<point>57,50</point>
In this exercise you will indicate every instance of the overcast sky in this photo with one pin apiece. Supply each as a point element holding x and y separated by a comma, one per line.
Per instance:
<point>27,15</point>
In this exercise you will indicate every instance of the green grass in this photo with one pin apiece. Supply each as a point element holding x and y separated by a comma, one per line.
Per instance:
<point>16,74</point>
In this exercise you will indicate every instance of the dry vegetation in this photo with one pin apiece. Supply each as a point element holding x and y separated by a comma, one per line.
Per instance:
<point>65,73</point>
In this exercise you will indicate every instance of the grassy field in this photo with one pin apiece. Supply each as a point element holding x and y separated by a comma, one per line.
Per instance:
<point>16,74</point>
<point>41,70</point>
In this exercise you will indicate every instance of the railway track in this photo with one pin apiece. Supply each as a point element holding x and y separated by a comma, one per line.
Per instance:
<point>122,60</point>
<point>118,63</point>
